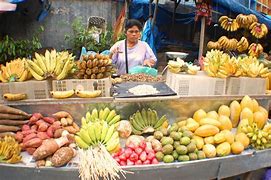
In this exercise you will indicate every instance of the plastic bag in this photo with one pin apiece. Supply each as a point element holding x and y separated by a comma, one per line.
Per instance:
<point>143,69</point>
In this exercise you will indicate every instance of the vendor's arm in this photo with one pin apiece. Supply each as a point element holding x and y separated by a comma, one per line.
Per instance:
<point>150,58</point>
<point>114,50</point>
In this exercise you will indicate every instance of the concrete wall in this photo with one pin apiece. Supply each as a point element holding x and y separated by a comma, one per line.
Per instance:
<point>23,23</point>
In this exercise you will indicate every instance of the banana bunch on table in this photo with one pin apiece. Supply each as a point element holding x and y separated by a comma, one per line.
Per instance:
<point>15,70</point>
<point>53,64</point>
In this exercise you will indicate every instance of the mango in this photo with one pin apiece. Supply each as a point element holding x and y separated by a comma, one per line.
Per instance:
<point>209,140</point>
<point>219,138</point>
<point>223,149</point>
<point>209,150</point>
<point>210,121</point>
<point>260,119</point>
<point>247,113</point>
<point>206,130</point>
<point>212,114</point>
<point>242,138</point>
<point>199,114</point>
<point>262,109</point>
<point>235,109</point>
<point>255,105</point>
<point>228,135</point>
<point>237,147</point>
<point>246,103</point>
<point>224,110</point>
<point>199,142</point>
<point>242,123</point>
<point>225,122</point>
<point>191,124</point>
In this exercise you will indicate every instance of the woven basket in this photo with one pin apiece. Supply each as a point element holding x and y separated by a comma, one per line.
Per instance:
<point>96,21</point>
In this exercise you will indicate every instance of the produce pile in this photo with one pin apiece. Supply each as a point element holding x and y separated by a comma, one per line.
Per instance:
<point>221,65</point>
<point>140,78</point>
<point>96,66</point>
<point>149,139</point>
<point>180,66</point>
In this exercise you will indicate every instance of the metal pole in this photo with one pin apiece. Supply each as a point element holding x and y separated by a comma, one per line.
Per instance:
<point>155,12</point>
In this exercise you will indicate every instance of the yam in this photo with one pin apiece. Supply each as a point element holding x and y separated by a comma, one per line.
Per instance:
<point>4,128</point>
<point>12,116</point>
<point>9,110</point>
<point>12,122</point>
<point>62,156</point>
<point>33,143</point>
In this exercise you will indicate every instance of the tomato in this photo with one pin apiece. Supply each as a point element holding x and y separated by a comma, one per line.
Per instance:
<point>150,156</point>
<point>138,162</point>
<point>147,162</point>
<point>138,151</point>
<point>143,156</point>
<point>143,144</point>
<point>122,157</point>
<point>155,161</point>
<point>123,163</point>
<point>128,152</point>
<point>133,157</point>
<point>129,162</point>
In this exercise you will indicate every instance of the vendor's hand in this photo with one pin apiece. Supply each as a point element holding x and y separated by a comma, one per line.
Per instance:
<point>149,62</point>
<point>116,50</point>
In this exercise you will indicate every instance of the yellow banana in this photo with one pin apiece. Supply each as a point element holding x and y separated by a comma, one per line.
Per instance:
<point>62,94</point>
<point>35,67</point>
<point>14,97</point>
<point>40,62</point>
<point>88,94</point>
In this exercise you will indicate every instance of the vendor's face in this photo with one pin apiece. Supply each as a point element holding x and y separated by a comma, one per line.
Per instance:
<point>133,34</point>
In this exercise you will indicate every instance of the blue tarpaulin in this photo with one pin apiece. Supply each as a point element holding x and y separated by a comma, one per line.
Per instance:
<point>150,35</point>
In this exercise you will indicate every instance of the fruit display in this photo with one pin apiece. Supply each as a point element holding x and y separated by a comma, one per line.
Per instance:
<point>96,66</point>
<point>147,121</point>
<point>221,65</point>
<point>15,70</point>
<point>258,30</point>
<point>180,66</point>
<point>11,120</point>
<point>255,50</point>
<point>228,24</point>
<point>136,154</point>
<point>140,78</point>
<point>107,115</point>
<point>245,21</point>
<point>57,65</point>
<point>9,150</point>
<point>243,44</point>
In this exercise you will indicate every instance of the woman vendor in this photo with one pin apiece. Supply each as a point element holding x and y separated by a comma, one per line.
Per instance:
<point>138,52</point>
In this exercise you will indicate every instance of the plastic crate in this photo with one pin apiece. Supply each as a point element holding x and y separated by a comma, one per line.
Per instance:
<point>33,89</point>
<point>83,84</point>
<point>245,86</point>
<point>196,85</point>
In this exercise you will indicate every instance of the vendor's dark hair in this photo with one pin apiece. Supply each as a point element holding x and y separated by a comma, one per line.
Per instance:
<point>133,22</point>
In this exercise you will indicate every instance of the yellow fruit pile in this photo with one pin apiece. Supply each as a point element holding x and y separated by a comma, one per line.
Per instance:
<point>221,65</point>
<point>9,150</point>
<point>53,64</point>
<point>15,70</point>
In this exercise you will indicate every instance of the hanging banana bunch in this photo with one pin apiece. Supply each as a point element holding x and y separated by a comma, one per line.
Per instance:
<point>53,64</point>
<point>228,24</point>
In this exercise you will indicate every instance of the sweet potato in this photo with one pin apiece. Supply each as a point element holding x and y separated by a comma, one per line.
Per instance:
<point>50,132</point>
<point>19,136</point>
<point>70,129</point>
<point>34,127</point>
<point>58,133</point>
<point>42,135</point>
<point>33,143</point>
<point>34,118</point>
<point>12,116</point>
<point>62,114</point>
<point>62,156</point>
<point>10,110</point>
<point>41,121</point>
<point>30,150</point>
<point>76,126</point>
<point>4,128</point>
<point>43,127</point>
<point>12,122</point>
<point>49,120</point>
<point>49,147</point>
<point>29,136</point>
<point>25,133</point>
<point>56,125</point>
<point>25,127</point>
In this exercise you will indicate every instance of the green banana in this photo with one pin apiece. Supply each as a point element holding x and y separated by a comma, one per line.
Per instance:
<point>95,113</point>
<point>83,121</point>
<point>101,113</point>
<point>135,125</point>
<point>115,120</point>
<point>160,122</point>
<point>106,111</point>
<point>144,116</point>
<point>85,136</point>
<point>135,131</point>
<point>109,133</point>
<point>81,143</point>
<point>98,131</point>
<point>149,115</point>
<point>138,119</point>
<point>154,118</point>
<point>91,133</point>
<point>111,115</point>
<point>88,117</point>
<point>104,131</point>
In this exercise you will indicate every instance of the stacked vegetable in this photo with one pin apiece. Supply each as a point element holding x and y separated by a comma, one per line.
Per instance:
<point>11,120</point>
<point>43,138</point>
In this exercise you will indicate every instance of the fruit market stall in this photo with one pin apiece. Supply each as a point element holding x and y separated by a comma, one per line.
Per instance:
<point>174,108</point>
